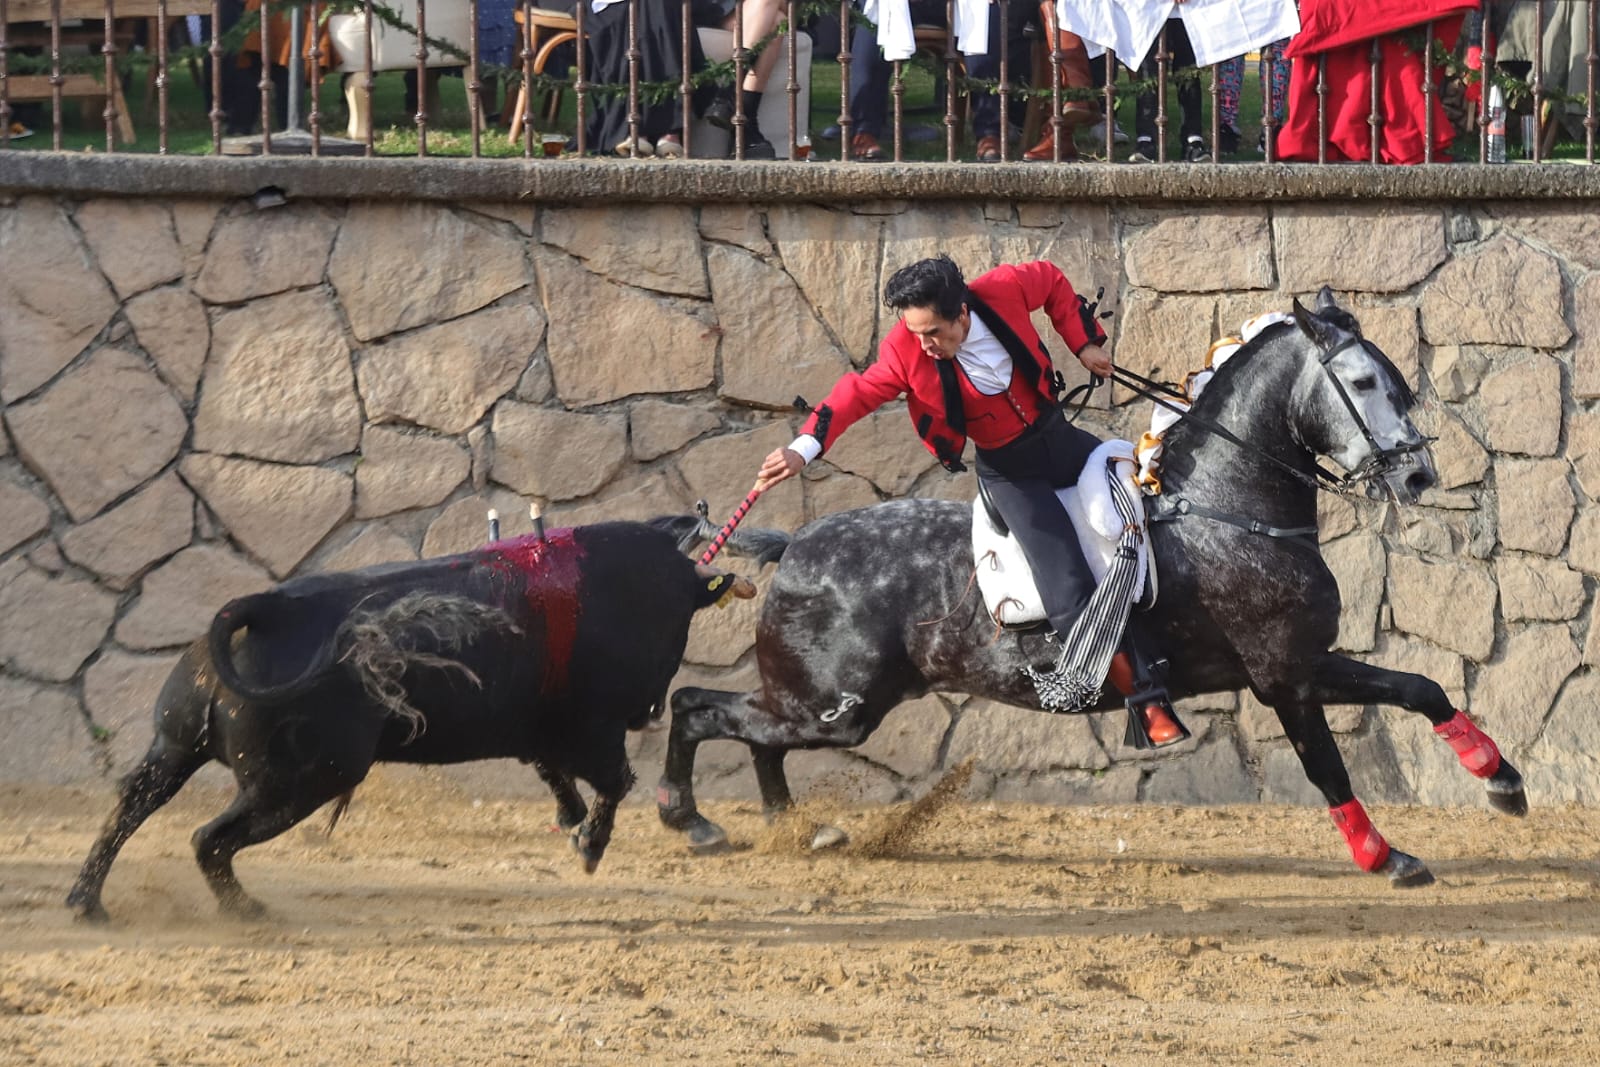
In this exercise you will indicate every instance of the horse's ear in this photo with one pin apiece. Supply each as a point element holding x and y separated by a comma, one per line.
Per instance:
<point>1325,301</point>
<point>1319,330</point>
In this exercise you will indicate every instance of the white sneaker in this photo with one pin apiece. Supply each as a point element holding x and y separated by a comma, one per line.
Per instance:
<point>1118,134</point>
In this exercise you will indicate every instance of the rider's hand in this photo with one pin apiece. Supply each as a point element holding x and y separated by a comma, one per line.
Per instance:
<point>781,464</point>
<point>1095,359</point>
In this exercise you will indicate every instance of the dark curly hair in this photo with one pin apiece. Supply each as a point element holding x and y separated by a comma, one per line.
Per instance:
<point>928,283</point>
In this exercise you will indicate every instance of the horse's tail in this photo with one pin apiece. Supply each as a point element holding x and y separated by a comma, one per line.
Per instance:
<point>763,545</point>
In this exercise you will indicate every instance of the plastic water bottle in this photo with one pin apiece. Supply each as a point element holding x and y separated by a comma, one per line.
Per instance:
<point>1497,126</point>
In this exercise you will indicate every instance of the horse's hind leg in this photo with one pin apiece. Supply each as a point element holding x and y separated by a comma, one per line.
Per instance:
<point>1307,728</point>
<point>156,780</point>
<point>1341,680</point>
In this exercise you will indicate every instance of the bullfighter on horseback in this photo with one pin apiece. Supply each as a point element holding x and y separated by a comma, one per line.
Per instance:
<point>971,365</point>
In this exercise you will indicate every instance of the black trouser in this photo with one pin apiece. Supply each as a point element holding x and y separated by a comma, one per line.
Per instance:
<point>1022,478</point>
<point>1188,91</point>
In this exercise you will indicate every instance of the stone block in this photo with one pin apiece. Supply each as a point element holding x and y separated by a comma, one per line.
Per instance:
<point>279,385</point>
<point>260,253</point>
<point>1535,503</point>
<point>100,430</point>
<point>1215,773</point>
<point>596,330</point>
<point>24,515</point>
<point>735,224</point>
<point>400,470</point>
<point>386,287</point>
<point>133,242</point>
<point>649,246</point>
<point>833,257</point>
<point>1206,250</point>
<point>1522,407</point>
<point>1449,603</point>
<point>910,738</point>
<point>1161,337</point>
<point>774,348</point>
<point>120,691</point>
<point>119,544</point>
<point>1384,248</point>
<point>52,624</point>
<point>55,297</point>
<point>556,455</point>
<point>1504,293</point>
<point>170,324</point>
<point>1586,330</point>
<point>720,470</point>
<point>1359,564</point>
<point>446,377</point>
<point>1532,587</point>
<point>656,427</point>
<point>1513,694</point>
<point>278,513</point>
<point>47,739</point>
<point>1005,739</point>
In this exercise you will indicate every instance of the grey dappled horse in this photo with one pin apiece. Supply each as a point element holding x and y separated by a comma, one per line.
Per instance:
<point>1246,601</point>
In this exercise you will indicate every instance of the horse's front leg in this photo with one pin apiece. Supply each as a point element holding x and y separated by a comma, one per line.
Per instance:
<point>1341,680</point>
<point>1307,728</point>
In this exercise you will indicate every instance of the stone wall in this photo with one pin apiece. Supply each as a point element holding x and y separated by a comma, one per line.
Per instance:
<point>203,396</point>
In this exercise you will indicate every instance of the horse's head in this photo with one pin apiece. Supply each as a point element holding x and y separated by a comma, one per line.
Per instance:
<point>1356,406</point>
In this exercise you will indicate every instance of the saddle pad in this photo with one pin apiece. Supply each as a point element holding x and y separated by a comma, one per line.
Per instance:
<point>1004,578</point>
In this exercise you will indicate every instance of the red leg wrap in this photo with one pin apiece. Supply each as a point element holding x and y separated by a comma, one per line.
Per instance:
<point>1367,846</point>
<point>1473,747</point>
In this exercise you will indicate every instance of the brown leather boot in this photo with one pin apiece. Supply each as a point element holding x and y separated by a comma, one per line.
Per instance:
<point>1074,66</point>
<point>1161,726</point>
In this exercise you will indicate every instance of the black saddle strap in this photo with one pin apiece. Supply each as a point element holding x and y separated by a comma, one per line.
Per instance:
<point>1182,507</point>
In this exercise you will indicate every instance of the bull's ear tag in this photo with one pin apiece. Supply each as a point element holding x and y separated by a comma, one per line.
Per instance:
<point>717,583</point>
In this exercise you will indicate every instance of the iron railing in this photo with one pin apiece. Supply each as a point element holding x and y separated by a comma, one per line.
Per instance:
<point>46,59</point>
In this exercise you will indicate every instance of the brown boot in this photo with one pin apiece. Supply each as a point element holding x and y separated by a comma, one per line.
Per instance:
<point>1074,66</point>
<point>1160,725</point>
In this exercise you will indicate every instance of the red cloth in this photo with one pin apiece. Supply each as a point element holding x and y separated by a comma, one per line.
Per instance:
<point>1342,32</point>
<point>1013,291</point>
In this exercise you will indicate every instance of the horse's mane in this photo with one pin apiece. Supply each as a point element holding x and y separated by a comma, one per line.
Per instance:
<point>1335,316</point>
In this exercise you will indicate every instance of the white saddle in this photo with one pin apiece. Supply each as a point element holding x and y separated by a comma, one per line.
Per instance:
<point>1004,577</point>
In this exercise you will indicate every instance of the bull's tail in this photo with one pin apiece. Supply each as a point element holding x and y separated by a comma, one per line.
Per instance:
<point>263,610</point>
<point>763,545</point>
<point>418,630</point>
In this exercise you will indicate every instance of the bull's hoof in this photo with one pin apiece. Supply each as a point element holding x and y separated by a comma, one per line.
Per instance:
<point>1505,792</point>
<point>588,849</point>
<point>1405,871</point>
<point>85,910</point>
<point>828,837</point>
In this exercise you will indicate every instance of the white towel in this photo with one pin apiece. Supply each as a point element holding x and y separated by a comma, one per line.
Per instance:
<point>972,27</point>
<point>1222,29</point>
<point>1129,27</point>
<point>895,30</point>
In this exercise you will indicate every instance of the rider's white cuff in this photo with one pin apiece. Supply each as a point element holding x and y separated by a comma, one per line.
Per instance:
<point>806,447</point>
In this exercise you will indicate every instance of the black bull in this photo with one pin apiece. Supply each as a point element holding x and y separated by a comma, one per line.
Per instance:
<point>545,650</point>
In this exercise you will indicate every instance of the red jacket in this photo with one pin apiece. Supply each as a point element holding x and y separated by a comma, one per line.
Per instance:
<point>1011,292</point>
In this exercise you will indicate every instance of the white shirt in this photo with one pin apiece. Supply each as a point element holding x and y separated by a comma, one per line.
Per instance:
<point>981,355</point>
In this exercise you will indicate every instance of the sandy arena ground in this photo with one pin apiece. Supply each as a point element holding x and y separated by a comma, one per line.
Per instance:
<point>433,929</point>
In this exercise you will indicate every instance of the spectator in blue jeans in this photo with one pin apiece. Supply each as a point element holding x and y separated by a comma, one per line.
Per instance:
<point>870,75</point>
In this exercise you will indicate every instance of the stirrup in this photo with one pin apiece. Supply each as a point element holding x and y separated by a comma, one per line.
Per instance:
<point>1138,731</point>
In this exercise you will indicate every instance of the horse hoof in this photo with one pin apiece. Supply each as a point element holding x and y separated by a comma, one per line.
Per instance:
<point>1405,871</point>
<point>587,851</point>
<point>1505,792</point>
<point>828,837</point>
<point>706,838</point>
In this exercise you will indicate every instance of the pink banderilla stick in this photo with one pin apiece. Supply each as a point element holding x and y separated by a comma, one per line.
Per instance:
<point>728,527</point>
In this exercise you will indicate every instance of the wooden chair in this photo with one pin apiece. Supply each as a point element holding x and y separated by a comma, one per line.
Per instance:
<point>544,32</point>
